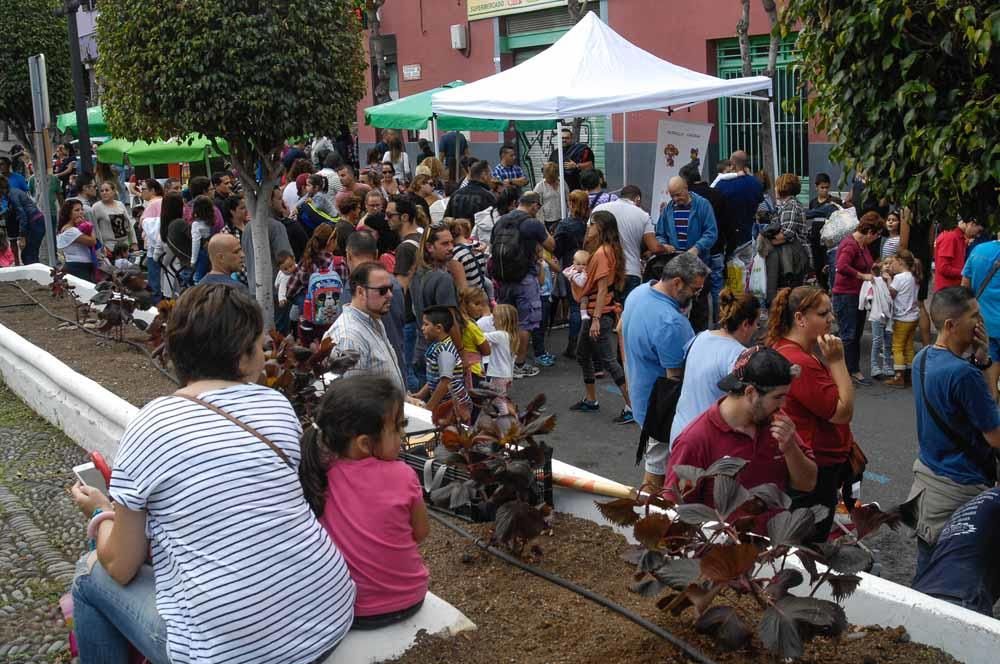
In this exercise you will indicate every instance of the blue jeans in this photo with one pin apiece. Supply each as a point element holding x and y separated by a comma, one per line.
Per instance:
<point>631,282</point>
<point>717,263</point>
<point>413,382</point>
<point>882,362</point>
<point>851,325</point>
<point>108,617</point>
<point>33,243</point>
<point>831,264</point>
<point>153,277</point>
<point>574,325</point>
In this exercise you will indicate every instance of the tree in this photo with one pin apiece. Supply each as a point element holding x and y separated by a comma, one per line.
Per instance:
<point>27,28</point>
<point>253,73</point>
<point>763,107</point>
<point>908,91</point>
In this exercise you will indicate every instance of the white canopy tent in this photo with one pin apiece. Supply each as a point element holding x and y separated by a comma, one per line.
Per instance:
<point>592,70</point>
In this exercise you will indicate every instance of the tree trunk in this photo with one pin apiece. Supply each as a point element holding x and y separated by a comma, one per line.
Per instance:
<point>743,34</point>
<point>258,201</point>
<point>765,108</point>
<point>380,77</point>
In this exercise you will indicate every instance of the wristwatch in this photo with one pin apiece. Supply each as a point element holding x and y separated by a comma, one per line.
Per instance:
<point>981,365</point>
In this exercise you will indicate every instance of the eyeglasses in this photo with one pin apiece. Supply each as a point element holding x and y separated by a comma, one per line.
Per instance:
<point>392,214</point>
<point>381,290</point>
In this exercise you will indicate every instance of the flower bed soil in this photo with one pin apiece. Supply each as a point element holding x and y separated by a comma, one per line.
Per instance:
<point>117,366</point>
<point>523,618</point>
<point>520,617</point>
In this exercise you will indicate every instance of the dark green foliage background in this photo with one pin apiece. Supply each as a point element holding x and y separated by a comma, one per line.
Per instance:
<point>908,91</point>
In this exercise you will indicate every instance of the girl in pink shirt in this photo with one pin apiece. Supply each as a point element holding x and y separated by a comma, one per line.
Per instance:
<point>369,502</point>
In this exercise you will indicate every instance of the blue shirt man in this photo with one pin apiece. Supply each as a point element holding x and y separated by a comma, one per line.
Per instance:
<point>743,194</point>
<point>978,266</point>
<point>687,222</point>
<point>654,334</point>
<point>964,568</point>
<point>14,179</point>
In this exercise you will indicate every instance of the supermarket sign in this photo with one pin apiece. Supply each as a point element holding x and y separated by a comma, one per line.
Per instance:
<point>490,8</point>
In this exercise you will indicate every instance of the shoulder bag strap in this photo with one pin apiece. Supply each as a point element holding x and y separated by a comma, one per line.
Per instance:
<point>989,276</point>
<point>958,441</point>
<point>246,427</point>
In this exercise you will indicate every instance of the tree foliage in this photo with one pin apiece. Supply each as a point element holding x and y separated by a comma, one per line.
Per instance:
<point>254,73</point>
<point>28,27</point>
<point>907,90</point>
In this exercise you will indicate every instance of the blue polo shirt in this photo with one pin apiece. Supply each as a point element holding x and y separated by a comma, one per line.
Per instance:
<point>959,394</point>
<point>977,266</point>
<point>655,333</point>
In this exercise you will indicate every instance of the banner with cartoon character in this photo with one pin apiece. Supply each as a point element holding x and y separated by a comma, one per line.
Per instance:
<point>677,144</point>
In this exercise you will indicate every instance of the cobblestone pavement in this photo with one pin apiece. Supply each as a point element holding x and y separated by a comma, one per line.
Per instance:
<point>41,533</point>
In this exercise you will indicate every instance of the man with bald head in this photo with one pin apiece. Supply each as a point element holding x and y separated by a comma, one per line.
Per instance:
<point>743,193</point>
<point>226,255</point>
<point>687,223</point>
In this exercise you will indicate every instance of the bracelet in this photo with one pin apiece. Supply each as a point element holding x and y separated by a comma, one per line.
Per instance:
<point>96,522</point>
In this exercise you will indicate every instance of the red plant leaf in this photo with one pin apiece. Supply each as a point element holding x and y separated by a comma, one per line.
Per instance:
<point>648,587</point>
<point>781,582</point>
<point>650,529</point>
<point>845,558</point>
<point>724,625</point>
<point>869,518</point>
<point>843,586</point>
<point>633,554</point>
<point>725,562</point>
<point>620,511</point>
<point>517,522</point>
<point>791,621</point>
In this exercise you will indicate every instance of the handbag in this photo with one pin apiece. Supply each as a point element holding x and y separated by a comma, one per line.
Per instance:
<point>857,458</point>
<point>661,409</point>
<point>246,427</point>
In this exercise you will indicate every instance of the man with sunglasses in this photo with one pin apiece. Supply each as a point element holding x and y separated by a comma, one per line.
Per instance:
<point>360,328</point>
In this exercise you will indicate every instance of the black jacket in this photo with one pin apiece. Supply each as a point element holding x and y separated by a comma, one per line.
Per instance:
<point>470,199</point>
<point>724,219</point>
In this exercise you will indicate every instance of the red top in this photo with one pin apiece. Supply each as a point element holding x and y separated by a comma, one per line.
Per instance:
<point>852,261</point>
<point>949,258</point>
<point>812,401</point>
<point>708,438</point>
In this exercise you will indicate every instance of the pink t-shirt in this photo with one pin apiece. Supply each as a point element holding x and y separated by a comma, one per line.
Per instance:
<point>7,257</point>
<point>367,515</point>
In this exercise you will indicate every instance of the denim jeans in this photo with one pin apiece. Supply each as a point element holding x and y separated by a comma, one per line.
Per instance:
<point>881,350</point>
<point>107,617</point>
<point>153,278</point>
<point>631,282</point>
<point>851,325</point>
<point>717,263</point>
<point>33,243</point>
<point>574,324</point>
<point>413,381</point>
<point>538,334</point>
<point>602,347</point>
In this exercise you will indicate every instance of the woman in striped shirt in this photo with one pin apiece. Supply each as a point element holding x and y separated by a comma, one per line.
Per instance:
<point>207,478</point>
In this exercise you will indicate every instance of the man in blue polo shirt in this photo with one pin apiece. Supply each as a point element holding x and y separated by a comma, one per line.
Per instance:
<point>978,274</point>
<point>958,423</point>
<point>654,333</point>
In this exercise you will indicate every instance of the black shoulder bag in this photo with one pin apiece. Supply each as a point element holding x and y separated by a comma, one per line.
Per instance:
<point>661,408</point>
<point>988,465</point>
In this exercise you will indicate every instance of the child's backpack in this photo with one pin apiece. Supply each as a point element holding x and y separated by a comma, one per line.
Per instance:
<point>322,297</point>
<point>509,257</point>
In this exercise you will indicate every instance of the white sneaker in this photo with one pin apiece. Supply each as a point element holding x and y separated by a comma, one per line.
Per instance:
<point>526,371</point>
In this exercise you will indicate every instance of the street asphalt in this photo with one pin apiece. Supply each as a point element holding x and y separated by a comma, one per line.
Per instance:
<point>884,424</point>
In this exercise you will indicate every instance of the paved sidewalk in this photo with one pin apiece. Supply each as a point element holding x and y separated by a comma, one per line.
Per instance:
<point>41,533</point>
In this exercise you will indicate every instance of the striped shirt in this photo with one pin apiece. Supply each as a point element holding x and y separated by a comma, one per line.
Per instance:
<point>244,571</point>
<point>357,330</point>
<point>890,247</point>
<point>682,216</point>
<point>473,262</point>
<point>443,358</point>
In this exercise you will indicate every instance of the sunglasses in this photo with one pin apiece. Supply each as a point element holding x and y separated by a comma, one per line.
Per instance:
<point>381,290</point>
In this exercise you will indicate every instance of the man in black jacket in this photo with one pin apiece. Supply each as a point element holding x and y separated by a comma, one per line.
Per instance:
<point>727,238</point>
<point>473,197</point>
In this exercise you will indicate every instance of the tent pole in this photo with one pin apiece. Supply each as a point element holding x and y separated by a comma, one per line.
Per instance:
<point>434,133</point>
<point>458,164</point>
<point>562,169</point>
<point>774,138</point>
<point>624,150</point>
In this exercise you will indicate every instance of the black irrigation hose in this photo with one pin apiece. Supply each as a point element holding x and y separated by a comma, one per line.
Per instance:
<point>685,648</point>
<point>142,349</point>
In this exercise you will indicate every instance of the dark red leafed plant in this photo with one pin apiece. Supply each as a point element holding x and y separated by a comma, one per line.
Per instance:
<point>501,452</point>
<point>60,287</point>
<point>694,556</point>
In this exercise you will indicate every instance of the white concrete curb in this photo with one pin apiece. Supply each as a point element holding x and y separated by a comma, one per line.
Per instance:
<point>95,418</point>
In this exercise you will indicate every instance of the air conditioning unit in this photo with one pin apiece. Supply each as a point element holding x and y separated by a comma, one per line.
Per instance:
<point>459,37</point>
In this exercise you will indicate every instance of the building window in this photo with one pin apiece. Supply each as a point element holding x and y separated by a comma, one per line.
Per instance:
<point>739,119</point>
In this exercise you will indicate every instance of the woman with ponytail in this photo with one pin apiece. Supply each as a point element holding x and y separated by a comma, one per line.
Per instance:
<point>821,399</point>
<point>369,502</point>
<point>711,355</point>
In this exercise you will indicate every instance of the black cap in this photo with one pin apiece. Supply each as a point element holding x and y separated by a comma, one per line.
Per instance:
<point>762,367</point>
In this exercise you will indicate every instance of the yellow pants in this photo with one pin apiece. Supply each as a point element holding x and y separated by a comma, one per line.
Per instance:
<point>902,343</point>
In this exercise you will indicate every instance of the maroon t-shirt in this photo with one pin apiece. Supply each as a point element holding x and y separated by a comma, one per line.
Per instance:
<point>811,402</point>
<point>708,438</point>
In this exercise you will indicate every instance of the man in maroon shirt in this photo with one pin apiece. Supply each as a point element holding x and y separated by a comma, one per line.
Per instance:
<point>949,252</point>
<point>748,424</point>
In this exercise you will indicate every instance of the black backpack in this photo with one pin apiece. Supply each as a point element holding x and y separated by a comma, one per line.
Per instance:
<point>510,260</point>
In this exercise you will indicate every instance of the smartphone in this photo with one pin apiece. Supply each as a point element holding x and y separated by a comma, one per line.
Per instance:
<point>88,474</point>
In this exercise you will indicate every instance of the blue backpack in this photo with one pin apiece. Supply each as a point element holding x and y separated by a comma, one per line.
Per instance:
<point>322,303</point>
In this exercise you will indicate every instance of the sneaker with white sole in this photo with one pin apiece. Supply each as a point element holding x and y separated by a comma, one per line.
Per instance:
<point>526,371</point>
<point>625,417</point>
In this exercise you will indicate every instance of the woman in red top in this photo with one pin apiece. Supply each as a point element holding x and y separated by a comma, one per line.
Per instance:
<point>854,266</point>
<point>821,401</point>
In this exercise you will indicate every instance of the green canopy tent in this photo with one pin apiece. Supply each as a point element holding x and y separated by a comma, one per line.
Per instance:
<point>194,148</point>
<point>66,122</point>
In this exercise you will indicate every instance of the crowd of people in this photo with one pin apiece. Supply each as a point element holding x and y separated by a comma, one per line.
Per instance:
<point>450,275</point>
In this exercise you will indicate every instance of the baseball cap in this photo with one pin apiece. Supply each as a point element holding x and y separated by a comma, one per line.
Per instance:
<point>762,367</point>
